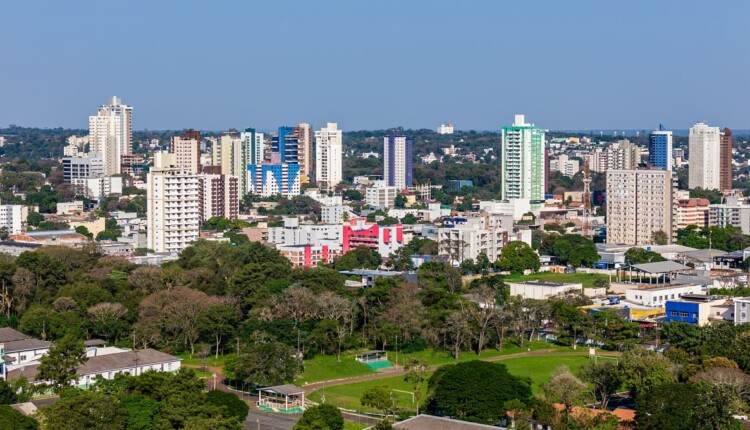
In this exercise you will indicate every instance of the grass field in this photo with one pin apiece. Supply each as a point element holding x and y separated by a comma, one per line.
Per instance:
<point>587,279</point>
<point>438,357</point>
<point>537,368</point>
<point>208,361</point>
<point>354,425</point>
<point>327,367</point>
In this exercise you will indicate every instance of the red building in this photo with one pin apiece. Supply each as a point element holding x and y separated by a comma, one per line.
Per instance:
<point>384,239</point>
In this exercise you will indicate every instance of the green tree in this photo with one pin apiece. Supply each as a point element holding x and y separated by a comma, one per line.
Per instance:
<point>59,365</point>
<point>517,257</point>
<point>378,397</point>
<point>642,370</point>
<point>571,249</point>
<point>400,201</point>
<point>81,229</point>
<point>476,391</point>
<point>7,394</point>
<point>232,405</point>
<point>409,219</point>
<point>604,379</point>
<point>321,417</point>
<point>674,406</point>
<point>564,387</point>
<point>637,255</point>
<point>34,218</point>
<point>11,419</point>
<point>141,410</point>
<point>361,257</point>
<point>416,374</point>
<point>660,238</point>
<point>266,364</point>
<point>79,409</point>
<point>218,322</point>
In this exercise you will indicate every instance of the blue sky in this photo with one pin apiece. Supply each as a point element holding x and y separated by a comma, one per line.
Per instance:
<point>377,64</point>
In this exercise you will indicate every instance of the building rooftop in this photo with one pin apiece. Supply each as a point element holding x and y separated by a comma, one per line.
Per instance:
<point>542,284</point>
<point>102,363</point>
<point>7,334</point>
<point>429,422</point>
<point>705,255</point>
<point>25,345</point>
<point>661,267</point>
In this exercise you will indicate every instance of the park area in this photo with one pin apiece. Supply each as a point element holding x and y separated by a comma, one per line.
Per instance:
<point>537,368</point>
<point>328,368</point>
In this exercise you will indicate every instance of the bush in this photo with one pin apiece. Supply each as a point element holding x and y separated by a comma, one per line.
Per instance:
<point>230,403</point>
<point>11,419</point>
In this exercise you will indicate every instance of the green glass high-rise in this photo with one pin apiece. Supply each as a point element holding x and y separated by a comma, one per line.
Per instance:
<point>522,162</point>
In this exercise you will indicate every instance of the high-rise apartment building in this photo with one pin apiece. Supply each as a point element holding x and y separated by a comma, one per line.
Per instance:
<point>218,196</point>
<point>328,153</point>
<point>294,144</point>
<point>110,132</point>
<point>397,160</point>
<point>660,148</point>
<point>522,163</point>
<point>187,150</point>
<point>274,178</point>
<point>691,212</point>
<point>253,148</point>
<point>725,163</point>
<point>173,209</point>
<point>704,157</point>
<point>732,213</point>
<point>639,203</point>
<point>620,155</point>
<point>226,152</point>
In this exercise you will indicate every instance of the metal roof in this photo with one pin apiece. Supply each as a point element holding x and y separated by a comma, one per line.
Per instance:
<point>7,334</point>
<point>661,267</point>
<point>25,345</point>
<point>284,390</point>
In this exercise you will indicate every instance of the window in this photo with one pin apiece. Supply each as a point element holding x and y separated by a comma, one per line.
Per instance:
<point>23,358</point>
<point>673,313</point>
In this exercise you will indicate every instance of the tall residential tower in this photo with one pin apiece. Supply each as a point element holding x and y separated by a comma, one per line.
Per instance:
<point>704,157</point>
<point>725,164</point>
<point>397,160</point>
<point>110,133</point>
<point>522,163</point>
<point>328,151</point>
<point>660,148</point>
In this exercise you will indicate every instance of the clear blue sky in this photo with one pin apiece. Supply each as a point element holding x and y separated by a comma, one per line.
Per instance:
<point>376,64</point>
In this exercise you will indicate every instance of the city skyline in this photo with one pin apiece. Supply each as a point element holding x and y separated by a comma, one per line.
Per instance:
<point>586,65</point>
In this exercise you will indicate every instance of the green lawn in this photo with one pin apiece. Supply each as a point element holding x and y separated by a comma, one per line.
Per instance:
<point>347,396</point>
<point>587,279</point>
<point>208,361</point>
<point>327,367</point>
<point>537,368</point>
<point>354,425</point>
<point>439,357</point>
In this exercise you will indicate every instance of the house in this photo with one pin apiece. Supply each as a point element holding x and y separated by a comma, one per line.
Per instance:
<point>430,422</point>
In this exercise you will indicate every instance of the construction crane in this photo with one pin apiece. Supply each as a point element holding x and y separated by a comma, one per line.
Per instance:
<point>586,227</point>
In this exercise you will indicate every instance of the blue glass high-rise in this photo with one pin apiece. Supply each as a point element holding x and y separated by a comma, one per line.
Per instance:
<point>660,148</point>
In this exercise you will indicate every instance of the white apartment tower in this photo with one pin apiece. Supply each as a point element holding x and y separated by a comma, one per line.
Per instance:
<point>173,209</point>
<point>704,157</point>
<point>328,149</point>
<point>110,132</point>
<point>639,203</point>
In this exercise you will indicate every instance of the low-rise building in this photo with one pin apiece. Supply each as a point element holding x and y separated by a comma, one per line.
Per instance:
<point>699,309</point>
<point>70,208</point>
<point>539,290</point>
<point>732,213</point>
<point>308,255</point>
<point>51,237</point>
<point>658,296</point>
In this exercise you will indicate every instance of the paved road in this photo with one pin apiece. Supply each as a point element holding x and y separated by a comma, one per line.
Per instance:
<point>261,420</point>
<point>310,388</point>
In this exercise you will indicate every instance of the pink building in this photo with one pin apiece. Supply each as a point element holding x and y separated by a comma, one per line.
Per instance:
<point>384,239</point>
<point>307,255</point>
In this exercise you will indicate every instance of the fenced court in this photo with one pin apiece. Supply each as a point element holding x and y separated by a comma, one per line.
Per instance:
<point>375,360</point>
